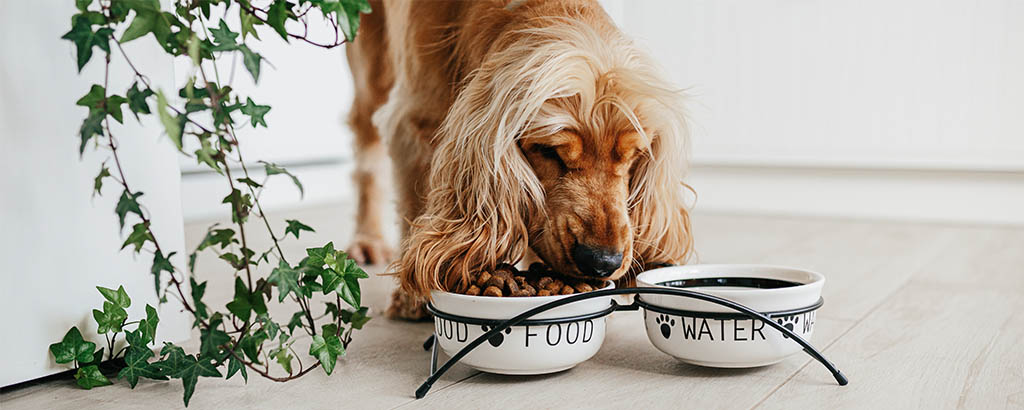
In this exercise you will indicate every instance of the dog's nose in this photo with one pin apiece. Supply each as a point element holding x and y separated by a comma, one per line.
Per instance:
<point>594,261</point>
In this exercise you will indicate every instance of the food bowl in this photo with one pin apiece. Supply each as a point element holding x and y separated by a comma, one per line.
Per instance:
<point>552,341</point>
<point>706,334</point>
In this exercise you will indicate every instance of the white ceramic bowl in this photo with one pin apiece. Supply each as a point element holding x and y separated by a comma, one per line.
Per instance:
<point>531,349</point>
<point>699,332</point>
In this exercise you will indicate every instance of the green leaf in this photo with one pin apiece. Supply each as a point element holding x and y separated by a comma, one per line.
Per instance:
<point>96,99</point>
<point>348,17</point>
<point>85,39</point>
<point>118,297</point>
<point>137,100</point>
<point>250,346</point>
<point>326,347</point>
<point>286,279</point>
<point>148,326</point>
<point>172,125</point>
<point>235,365</point>
<point>294,227</point>
<point>143,23</point>
<point>190,370</point>
<point>249,182</point>
<point>284,359</point>
<point>252,60</point>
<point>223,37</point>
<point>248,23</point>
<point>83,5</point>
<point>240,205</point>
<point>198,290</point>
<point>274,169</point>
<point>136,364</point>
<point>208,155</point>
<point>356,318</point>
<point>127,203</point>
<point>89,376</point>
<point>255,112</point>
<point>92,126</point>
<point>222,237</point>
<point>296,321</point>
<point>211,339</point>
<point>160,265</point>
<point>111,319</point>
<point>72,348</point>
<point>97,184</point>
<point>138,237</point>
<point>277,15</point>
<point>246,302</point>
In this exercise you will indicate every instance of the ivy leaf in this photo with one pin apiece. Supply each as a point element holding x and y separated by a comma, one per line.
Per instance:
<point>274,169</point>
<point>296,321</point>
<point>136,361</point>
<point>198,290</point>
<point>240,205</point>
<point>72,348</point>
<point>277,15</point>
<point>172,125</point>
<point>161,264</point>
<point>348,17</point>
<point>249,22</point>
<point>294,227</point>
<point>190,370</point>
<point>222,237</point>
<point>148,325</point>
<point>284,359</point>
<point>96,99</point>
<point>234,366</point>
<point>250,346</point>
<point>252,60</point>
<point>246,302</point>
<point>356,318</point>
<point>92,126</point>
<point>83,5</point>
<point>137,100</point>
<point>85,39</point>
<point>212,338</point>
<point>97,184</point>
<point>286,279</point>
<point>143,23</point>
<point>111,319</point>
<point>255,112</point>
<point>208,155</point>
<point>89,376</point>
<point>326,347</point>
<point>127,203</point>
<point>118,297</point>
<point>138,237</point>
<point>223,37</point>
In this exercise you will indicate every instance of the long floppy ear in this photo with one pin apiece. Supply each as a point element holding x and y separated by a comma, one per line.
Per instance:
<point>658,195</point>
<point>481,186</point>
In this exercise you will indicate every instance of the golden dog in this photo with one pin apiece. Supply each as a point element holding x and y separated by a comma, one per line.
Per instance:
<point>514,126</point>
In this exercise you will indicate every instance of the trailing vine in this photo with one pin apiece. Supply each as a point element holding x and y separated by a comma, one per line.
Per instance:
<point>242,337</point>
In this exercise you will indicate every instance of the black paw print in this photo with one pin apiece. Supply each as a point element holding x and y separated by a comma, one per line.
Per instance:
<point>788,322</point>
<point>666,324</point>
<point>497,339</point>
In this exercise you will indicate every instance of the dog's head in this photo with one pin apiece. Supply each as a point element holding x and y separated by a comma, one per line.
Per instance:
<point>567,140</point>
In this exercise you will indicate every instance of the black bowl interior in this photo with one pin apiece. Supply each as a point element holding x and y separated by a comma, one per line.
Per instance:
<point>738,282</point>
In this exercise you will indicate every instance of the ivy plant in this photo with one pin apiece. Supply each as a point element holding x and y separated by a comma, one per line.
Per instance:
<point>241,337</point>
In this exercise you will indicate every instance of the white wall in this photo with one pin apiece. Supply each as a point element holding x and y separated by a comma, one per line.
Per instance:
<point>58,243</point>
<point>909,109</point>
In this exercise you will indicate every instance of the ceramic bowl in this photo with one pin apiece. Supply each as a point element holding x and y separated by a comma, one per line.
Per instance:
<point>552,341</point>
<point>707,334</point>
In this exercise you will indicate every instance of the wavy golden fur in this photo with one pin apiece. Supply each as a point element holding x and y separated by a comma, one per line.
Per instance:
<point>514,126</point>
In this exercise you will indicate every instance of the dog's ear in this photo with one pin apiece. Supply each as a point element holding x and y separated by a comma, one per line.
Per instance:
<point>481,186</point>
<point>658,195</point>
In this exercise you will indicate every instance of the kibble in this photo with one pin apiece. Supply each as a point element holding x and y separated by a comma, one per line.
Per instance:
<point>539,280</point>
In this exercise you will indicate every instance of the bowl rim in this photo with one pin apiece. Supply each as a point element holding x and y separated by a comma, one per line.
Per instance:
<point>818,278</point>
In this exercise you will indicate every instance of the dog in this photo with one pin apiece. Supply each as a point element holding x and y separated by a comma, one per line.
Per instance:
<point>517,130</point>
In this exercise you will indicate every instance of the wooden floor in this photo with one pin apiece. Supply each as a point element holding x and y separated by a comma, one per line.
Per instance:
<point>917,316</point>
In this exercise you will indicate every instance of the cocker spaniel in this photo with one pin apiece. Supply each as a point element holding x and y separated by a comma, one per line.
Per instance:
<point>514,127</point>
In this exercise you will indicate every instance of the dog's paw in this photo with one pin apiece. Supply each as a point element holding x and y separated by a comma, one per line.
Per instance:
<point>405,307</point>
<point>371,250</point>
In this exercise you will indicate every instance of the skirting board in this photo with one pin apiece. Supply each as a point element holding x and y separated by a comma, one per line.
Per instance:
<point>960,196</point>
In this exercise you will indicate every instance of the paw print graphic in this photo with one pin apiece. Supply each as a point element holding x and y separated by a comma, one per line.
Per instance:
<point>788,322</point>
<point>666,324</point>
<point>497,339</point>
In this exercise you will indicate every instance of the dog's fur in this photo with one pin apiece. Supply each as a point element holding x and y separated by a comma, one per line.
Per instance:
<point>513,126</point>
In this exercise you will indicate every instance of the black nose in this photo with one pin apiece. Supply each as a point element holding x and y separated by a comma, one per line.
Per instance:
<point>594,261</point>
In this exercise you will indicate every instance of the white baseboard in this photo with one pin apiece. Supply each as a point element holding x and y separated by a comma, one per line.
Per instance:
<point>958,196</point>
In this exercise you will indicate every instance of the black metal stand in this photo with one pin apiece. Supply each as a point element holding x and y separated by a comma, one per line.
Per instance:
<point>499,326</point>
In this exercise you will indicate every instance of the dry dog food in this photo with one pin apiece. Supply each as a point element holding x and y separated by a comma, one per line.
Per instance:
<point>539,280</point>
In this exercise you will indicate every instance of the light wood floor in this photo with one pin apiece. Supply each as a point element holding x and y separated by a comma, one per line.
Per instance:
<point>917,316</point>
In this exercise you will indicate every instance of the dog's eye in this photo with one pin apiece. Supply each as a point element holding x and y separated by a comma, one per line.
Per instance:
<point>549,152</point>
